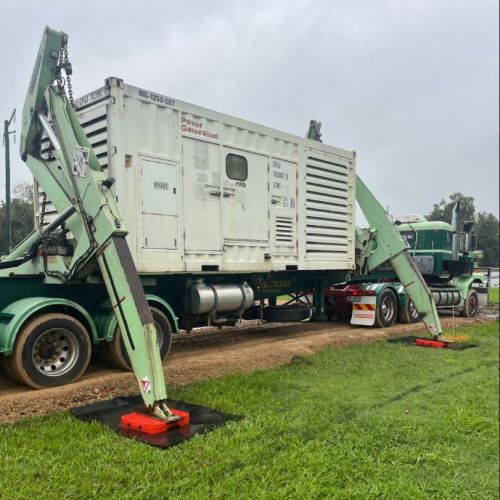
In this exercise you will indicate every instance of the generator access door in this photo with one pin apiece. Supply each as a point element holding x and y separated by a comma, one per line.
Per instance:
<point>159,203</point>
<point>202,193</point>
<point>245,198</point>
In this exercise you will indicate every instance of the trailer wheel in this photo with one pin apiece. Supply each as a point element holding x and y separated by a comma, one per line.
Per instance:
<point>471,304</point>
<point>116,354</point>
<point>409,314</point>
<point>386,313</point>
<point>51,350</point>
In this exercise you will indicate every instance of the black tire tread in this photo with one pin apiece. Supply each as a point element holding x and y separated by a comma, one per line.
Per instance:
<point>405,316</point>
<point>465,312</point>
<point>14,367</point>
<point>379,322</point>
<point>114,354</point>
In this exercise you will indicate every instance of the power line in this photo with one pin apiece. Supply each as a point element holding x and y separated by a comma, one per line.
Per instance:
<point>6,143</point>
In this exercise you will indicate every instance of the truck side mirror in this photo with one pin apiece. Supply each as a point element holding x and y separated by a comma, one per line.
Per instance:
<point>462,242</point>
<point>468,242</point>
<point>468,225</point>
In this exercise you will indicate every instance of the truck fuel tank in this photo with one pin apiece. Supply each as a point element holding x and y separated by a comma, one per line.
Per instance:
<point>444,297</point>
<point>202,298</point>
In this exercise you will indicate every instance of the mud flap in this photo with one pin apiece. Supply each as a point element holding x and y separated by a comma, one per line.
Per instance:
<point>363,312</point>
<point>109,413</point>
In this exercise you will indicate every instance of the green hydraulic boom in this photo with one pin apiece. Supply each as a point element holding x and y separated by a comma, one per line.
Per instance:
<point>382,243</point>
<point>72,178</point>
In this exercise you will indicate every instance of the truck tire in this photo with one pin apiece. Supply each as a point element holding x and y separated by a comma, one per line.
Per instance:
<point>386,313</point>
<point>471,304</point>
<point>409,314</point>
<point>50,350</point>
<point>116,354</point>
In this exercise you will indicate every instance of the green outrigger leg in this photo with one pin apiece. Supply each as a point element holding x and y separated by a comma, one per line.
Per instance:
<point>388,245</point>
<point>76,185</point>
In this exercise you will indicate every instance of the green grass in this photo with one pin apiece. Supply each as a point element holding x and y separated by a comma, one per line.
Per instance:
<point>384,420</point>
<point>493,297</point>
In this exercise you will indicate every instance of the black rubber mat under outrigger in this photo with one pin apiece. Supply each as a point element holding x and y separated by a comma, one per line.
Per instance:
<point>410,340</point>
<point>201,419</point>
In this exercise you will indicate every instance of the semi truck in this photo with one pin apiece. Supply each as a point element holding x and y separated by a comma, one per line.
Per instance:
<point>447,259</point>
<point>154,214</point>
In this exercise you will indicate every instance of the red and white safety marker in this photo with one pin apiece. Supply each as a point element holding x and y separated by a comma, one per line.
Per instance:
<point>145,384</point>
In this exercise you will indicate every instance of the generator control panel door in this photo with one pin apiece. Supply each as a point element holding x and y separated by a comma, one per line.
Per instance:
<point>202,195</point>
<point>160,204</point>
<point>245,198</point>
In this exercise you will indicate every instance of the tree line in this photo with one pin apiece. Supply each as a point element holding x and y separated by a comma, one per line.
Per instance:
<point>486,225</point>
<point>21,215</point>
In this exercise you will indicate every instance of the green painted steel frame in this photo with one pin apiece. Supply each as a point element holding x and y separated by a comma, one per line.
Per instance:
<point>465,282</point>
<point>74,182</point>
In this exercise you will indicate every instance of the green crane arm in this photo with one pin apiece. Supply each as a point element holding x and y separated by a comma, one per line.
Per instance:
<point>386,244</point>
<point>74,181</point>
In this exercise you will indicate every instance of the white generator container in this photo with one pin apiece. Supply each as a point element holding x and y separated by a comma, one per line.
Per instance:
<point>203,191</point>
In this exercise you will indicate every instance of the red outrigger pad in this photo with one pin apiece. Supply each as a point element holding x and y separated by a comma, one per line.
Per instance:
<point>431,343</point>
<point>440,344</point>
<point>151,425</point>
<point>117,413</point>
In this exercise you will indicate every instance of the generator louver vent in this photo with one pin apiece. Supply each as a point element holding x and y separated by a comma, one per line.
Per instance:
<point>284,231</point>
<point>95,125</point>
<point>327,207</point>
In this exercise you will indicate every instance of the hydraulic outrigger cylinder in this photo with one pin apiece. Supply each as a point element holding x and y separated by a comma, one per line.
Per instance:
<point>72,178</point>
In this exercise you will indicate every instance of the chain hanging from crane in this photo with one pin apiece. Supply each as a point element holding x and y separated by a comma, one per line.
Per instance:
<point>42,212</point>
<point>64,64</point>
<point>63,83</point>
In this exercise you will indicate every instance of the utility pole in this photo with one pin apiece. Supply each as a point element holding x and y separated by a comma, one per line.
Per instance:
<point>6,142</point>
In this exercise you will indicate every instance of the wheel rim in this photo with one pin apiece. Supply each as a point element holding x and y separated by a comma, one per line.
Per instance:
<point>55,352</point>
<point>387,308</point>
<point>412,311</point>
<point>159,334</point>
<point>472,304</point>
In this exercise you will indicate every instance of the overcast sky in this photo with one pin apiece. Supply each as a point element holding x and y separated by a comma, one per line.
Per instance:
<point>411,85</point>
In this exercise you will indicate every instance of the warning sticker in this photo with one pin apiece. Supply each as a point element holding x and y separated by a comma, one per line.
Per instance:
<point>80,162</point>
<point>145,384</point>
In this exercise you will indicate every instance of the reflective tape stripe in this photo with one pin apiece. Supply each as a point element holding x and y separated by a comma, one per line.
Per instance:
<point>364,307</point>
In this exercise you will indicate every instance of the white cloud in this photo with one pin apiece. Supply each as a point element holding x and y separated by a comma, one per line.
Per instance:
<point>412,86</point>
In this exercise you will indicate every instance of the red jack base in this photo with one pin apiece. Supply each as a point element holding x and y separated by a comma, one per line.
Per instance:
<point>430,343</point>
<point>151,425</point>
